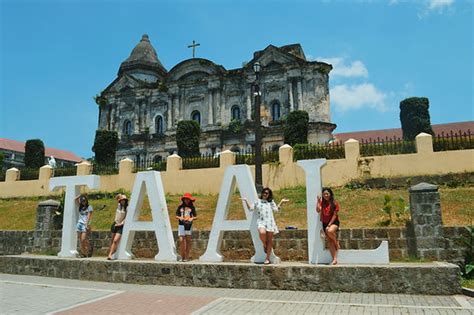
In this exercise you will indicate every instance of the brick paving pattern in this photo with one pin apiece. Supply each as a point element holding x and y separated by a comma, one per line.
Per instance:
<point>41,295</point>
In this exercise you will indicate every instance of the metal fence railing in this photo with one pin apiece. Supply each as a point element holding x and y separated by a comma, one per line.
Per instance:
<point>29,173</point>
<point>105,169</point>
<point>453,141</point>
<point>150,164</point>
<point>248,156</point>
<point>64,171</point>
<point>202,161</point>
<point>387,146</point>
<point>318,151</point>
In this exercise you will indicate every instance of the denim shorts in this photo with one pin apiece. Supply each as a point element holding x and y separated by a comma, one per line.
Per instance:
<point>81,227</point>
<point>184,230</point>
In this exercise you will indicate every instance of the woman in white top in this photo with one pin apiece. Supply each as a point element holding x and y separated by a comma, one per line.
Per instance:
<point>265,206</point>
<point>117,226</point>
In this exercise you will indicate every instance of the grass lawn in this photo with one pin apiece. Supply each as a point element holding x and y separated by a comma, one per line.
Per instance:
<point>359,208</point>
<point>468,283</point>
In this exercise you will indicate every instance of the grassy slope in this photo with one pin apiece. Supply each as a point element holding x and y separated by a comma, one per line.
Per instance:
<point>359,208</point>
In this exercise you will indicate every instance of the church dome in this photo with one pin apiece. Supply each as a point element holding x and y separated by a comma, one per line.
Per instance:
<point>143,57</point>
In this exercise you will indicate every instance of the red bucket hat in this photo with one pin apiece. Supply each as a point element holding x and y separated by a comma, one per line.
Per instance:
<point>188,196</point>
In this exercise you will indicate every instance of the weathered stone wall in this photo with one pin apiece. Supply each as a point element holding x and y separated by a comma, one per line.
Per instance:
<point>16,242</point>
<point>290,245</point>
<point>408,278</point>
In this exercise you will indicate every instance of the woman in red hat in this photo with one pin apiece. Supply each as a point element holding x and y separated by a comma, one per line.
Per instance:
<point>117,226</point>
<point>186,214</point>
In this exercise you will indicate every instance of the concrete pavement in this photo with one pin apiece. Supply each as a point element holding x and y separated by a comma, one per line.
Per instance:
<point>42,295</point>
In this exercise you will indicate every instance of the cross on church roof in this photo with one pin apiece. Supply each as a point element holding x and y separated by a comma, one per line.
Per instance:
<point>194,45</point>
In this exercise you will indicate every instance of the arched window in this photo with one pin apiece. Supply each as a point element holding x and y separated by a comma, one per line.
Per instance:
<point>159,125</point>
<point>127,128</point>
<point>235,112</point>
<point>276,111</point>
<point>196,115</point>
<point>157,158</point>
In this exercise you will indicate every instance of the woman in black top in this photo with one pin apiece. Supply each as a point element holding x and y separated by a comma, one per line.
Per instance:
<point>186,214</point>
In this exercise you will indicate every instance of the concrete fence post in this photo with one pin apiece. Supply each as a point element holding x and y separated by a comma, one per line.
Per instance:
<point>125,167</point>
<point>424,143</point>
<point>12,175</point>
<point>84,168</point>
<point>227,158</point>
<point>285,155</point>
<point>45,172</point>
<point>174,163</point>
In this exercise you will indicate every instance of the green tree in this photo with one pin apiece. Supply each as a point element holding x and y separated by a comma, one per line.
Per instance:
<point>187,138</point>
<point>415,117</point>
<point>296,128</point>
<point>105,146</point>
<point>34,153</point>
<point>2,156</point>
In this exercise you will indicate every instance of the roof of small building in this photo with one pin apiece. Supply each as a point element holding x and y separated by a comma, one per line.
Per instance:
<point>396,133</point>
<point>18,146</point>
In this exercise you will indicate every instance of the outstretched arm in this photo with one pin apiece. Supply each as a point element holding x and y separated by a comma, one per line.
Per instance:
<point>247,203</point>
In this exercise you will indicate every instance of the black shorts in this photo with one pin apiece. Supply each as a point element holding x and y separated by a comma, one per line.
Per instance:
<point>326,225</point>
<point>116,229</point>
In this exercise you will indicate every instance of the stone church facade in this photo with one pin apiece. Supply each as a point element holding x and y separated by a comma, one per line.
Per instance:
<point>145,102</point>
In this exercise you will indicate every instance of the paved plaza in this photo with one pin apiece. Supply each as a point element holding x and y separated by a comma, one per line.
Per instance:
<point>40,295</point>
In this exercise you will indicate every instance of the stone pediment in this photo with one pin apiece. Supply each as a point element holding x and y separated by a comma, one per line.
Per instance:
<point>124,83</point>
<point>194,69</point>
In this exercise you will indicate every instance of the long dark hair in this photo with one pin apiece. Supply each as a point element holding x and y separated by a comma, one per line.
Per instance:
<point>81,206</point>
<point>125,205</point>
<point>332,202</point>
<point>270,194</point>
<point>183,204</point>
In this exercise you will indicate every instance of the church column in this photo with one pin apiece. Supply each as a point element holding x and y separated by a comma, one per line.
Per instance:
<point>218,107</point>
<point>169,112</point>
<point>110,118</point>
<point>136,124</point>
<point>300,96</point>
<point>211,108</point>
<point>290,95</point>
<point>221,98</point>
<point>249,105</point>
<point>181,104</point>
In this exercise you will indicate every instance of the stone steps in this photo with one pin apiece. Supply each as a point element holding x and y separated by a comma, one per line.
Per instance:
<point>409,278</point>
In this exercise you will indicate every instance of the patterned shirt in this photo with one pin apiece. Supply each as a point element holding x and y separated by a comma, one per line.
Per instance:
<point>265,217</point>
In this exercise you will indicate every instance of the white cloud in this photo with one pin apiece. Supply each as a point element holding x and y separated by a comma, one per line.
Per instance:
<point>365,95</point>
<point>346,69</point>
<point>439,4</point>
<point>436,6</point>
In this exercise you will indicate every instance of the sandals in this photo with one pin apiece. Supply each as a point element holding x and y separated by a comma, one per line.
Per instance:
<point>267,262</point>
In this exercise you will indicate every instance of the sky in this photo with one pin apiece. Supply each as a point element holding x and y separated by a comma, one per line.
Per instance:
<point>55,56</point>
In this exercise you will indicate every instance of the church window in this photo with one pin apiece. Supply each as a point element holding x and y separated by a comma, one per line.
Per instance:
<point>157,158</point>
<point>235,112</point>
<point>276,111</point>
<point>127,128</point>
<point>159,125</point>
<point>196,115</point>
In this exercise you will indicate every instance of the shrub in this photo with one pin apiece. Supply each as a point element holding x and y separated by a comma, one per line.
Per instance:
<point>187,138</point>
<point>296,128</point>
<point>2,156</point>
<point>235,126</point>
<point>34,153</point>
<point>105,146</point>
<point>415,117</point>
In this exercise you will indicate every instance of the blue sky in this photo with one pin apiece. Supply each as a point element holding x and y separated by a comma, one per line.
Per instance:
<point>56,55</point>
